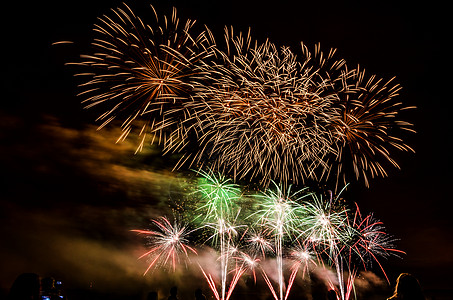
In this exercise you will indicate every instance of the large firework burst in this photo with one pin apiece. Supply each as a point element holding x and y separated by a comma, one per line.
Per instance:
<point>263,114</point>
<point>141,74</point>
<point>252,110</point>
<point>366,129</point>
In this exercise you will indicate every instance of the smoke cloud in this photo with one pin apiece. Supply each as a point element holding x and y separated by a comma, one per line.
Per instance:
<point>71,199</point>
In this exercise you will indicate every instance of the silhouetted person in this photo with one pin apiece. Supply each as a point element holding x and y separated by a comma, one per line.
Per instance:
<point>199,295</point>
<point>152,296</point>
<point>173,293</point>
<point>331,295</point>
<point>407,288</point>
<point>25,287</point>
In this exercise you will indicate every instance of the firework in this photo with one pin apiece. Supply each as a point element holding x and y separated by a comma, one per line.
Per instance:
<point>258,113</point>
<point>218,195</point>
<point>323,222</point>
<point>141,74</point>
<point>262,114</point>
<point>279,212</point>
<point>169,244</point>
<point>301,257</point>
<point>218,199</point>
<point>298,228</point>
<point>367,241</point>
<point>247,262</point>
<point>323,229</point>
<point>243,263</point>
<point>348,241</point>
<point>250,110</point>
<point>259,243</point>
<point>365,131</point>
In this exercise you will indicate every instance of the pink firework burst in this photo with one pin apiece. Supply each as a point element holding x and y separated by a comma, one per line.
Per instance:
<point>169,244</point>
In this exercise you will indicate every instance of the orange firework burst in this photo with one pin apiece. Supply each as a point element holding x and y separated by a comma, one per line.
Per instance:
<point>141,74</point>
<point>263,114</point>
<point>365,129</point>
<point>250,110</point>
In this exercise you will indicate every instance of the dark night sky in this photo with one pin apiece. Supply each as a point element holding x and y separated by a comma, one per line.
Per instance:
<point>67,188</point>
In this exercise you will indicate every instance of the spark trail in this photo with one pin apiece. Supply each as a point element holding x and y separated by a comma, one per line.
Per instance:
<point>218,201</point>
<point>298,228</point>
<point>279,213</point>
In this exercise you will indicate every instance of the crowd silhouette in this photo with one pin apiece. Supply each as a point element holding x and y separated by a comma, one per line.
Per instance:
<point>28,286</point>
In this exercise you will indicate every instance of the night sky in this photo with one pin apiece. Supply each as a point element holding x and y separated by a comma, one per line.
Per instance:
<point>69,194</point>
